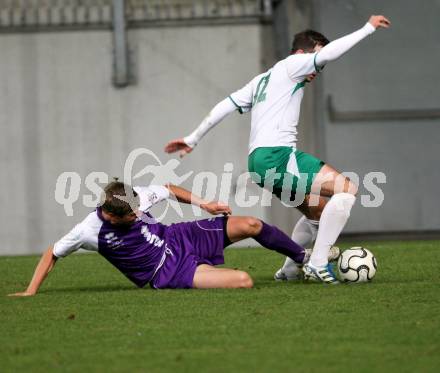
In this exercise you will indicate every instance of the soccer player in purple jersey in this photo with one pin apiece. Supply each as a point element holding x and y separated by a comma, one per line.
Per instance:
<point>182,255</point>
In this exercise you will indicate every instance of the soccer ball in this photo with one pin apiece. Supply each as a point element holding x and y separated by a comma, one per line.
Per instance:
<point>357,265</point>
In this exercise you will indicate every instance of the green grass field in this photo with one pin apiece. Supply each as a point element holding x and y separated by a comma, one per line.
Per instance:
<point>87,317</point>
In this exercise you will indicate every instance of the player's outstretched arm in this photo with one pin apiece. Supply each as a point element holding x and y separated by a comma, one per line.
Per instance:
<point>216,115</point>
<point>44,266</point>
<point>185,196</point>
<point>338,47</point>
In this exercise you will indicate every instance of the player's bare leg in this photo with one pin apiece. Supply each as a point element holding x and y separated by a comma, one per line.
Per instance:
<point>241,227</point>
<point>334,216</point>
<point>329,182</point>
<point>209,277</point>
<point>312,212</point>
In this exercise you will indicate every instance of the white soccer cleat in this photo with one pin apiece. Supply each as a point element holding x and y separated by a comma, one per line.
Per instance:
<point>323,274</point>
<point>333,254</point>
<point>293,273</point>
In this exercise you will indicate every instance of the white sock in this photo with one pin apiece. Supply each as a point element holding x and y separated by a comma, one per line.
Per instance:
<point>304,234</point>
<point>333,220</point>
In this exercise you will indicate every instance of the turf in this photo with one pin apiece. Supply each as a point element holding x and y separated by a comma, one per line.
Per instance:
<point>87,317</point>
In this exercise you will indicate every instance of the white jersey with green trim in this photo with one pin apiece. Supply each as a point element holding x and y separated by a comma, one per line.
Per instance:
<point>275,99</point>
<point>275,96</point>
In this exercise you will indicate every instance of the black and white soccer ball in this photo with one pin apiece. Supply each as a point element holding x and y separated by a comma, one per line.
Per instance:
<point>357,265</point>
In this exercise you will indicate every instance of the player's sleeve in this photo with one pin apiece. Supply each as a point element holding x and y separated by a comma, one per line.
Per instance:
<point>303,64</point>
<point>151,195</point>
<point>215,116</point>
<point>338,47</point>
<point>70,243</point>
<point>242,99</point>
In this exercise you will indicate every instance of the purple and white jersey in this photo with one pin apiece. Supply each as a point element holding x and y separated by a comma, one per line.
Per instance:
<point>138,250</point>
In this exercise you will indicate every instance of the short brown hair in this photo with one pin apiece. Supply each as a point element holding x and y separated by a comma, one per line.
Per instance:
<point>119,206</point>
<point>307,40</point>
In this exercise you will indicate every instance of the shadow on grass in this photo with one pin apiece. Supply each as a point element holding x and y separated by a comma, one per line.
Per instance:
<point>260,283</point>
<point>93,289</point>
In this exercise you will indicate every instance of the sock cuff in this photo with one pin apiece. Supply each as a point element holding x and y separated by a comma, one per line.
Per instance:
<point>340,203</point>
<point>345,198</point>
<point>265,228</point>
<point>313,222</point>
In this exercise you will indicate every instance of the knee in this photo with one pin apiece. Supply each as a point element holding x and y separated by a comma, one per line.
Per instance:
<point>253,226</point>
<point>244,280</point>
<point>351,188</point>
<point>343,184</point>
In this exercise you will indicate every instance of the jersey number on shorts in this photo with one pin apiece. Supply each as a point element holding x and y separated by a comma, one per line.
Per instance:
<point>260,94</point>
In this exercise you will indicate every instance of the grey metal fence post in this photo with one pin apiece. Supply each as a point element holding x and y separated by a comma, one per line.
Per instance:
<point>120,47</point>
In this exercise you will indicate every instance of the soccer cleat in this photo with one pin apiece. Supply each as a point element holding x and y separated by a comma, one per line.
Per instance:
<point>323,274</point>
<point>292,274</point>
<point>295,274</point>
<point>333,254</point>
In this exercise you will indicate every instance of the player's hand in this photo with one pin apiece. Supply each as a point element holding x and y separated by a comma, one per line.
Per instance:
<point>216,208</point>
<point>379,21</point>
<point>22,294</point>
<point>178,146</point>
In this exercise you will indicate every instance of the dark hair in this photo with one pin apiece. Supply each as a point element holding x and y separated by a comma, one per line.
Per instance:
<point>307,40</point>
<point>119,206</point>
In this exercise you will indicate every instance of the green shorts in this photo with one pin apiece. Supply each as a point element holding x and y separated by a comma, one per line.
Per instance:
<point>284,169</point>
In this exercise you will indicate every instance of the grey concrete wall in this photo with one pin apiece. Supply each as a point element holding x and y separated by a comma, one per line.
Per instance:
<point>394,69</point>
<point>59,112</point>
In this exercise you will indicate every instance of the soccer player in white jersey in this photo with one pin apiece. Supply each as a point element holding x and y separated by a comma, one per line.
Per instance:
<point>274,99</point>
